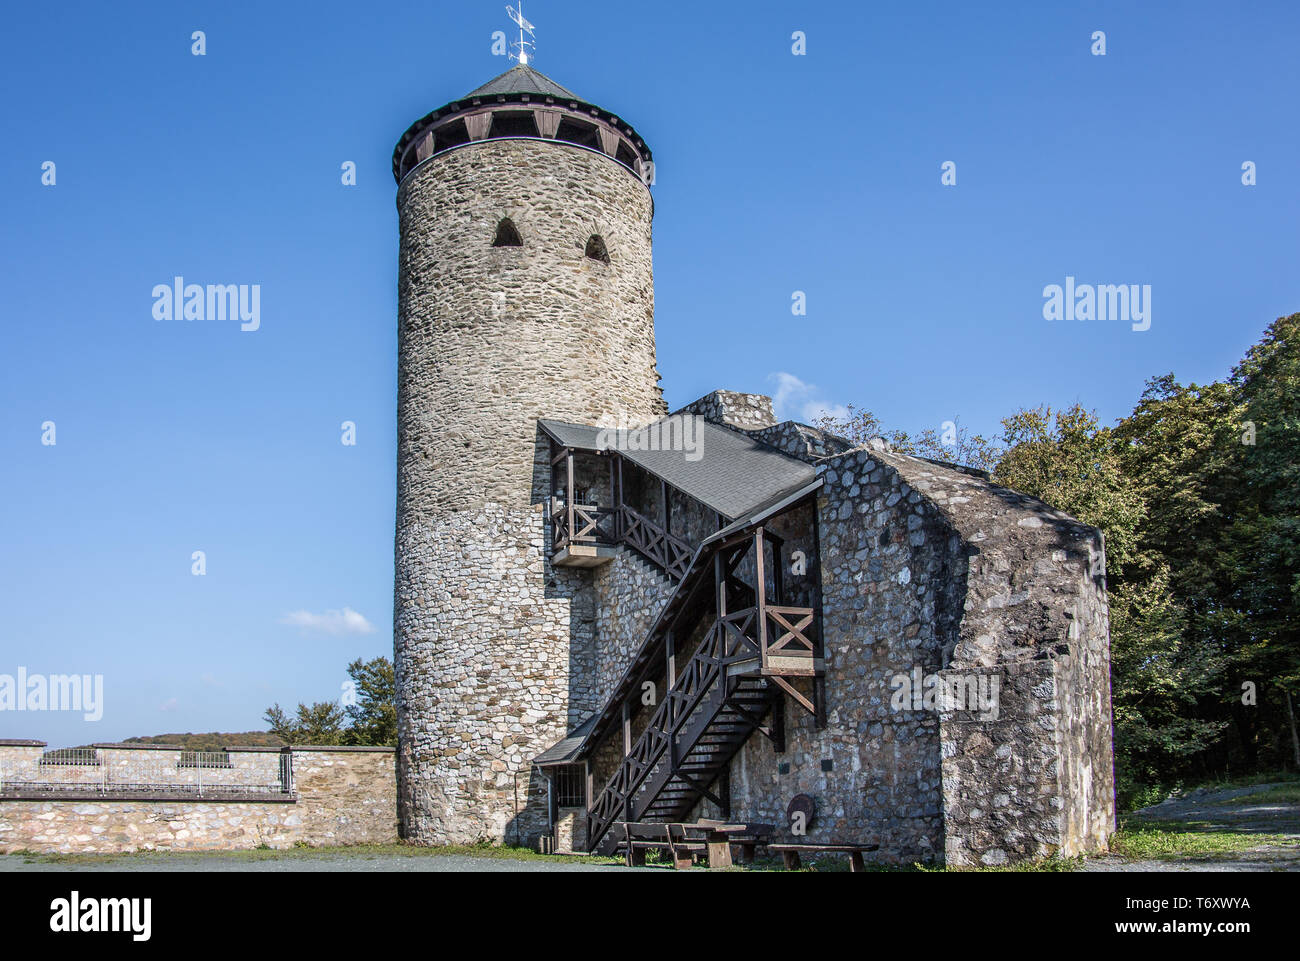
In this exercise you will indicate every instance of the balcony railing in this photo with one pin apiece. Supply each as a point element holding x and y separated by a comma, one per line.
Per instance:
<point>586,524</point>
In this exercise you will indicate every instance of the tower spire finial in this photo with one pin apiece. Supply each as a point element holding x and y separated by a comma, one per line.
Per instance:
<point>524,26</point>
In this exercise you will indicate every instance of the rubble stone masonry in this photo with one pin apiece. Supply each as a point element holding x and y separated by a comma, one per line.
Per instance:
<point>341,796</point>
<point>488,634</point>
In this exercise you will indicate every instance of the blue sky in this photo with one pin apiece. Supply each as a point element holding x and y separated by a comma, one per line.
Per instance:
<point>775,173</point>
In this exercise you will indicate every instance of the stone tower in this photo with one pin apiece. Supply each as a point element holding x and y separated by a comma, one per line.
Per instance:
<point>525,291</point>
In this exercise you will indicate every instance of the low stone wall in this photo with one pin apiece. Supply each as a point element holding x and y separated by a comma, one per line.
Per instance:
<point>340,795</point>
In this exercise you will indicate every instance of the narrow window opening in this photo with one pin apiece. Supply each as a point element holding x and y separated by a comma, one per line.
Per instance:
<point>624,154</point>
<point>596,249</point>
<point>513,123</point>
<point>575,131</point>
<point>507,235</point>
<point>451,134</point>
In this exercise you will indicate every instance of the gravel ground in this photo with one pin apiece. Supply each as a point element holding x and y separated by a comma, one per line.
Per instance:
<point>326,861</point>
<point>1206,807</point>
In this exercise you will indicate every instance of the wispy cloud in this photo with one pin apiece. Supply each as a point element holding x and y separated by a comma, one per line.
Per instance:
<point>795,399</point>
<point>346,621</point>
<point>169,705</point>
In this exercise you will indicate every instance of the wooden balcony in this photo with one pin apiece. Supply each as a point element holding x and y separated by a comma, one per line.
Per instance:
<point>584,535</point>
<point>780,640</point>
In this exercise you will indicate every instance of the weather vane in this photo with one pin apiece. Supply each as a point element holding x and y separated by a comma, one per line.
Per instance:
<point>524,27</point>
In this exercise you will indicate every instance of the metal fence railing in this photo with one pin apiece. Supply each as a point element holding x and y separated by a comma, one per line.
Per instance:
<point>112,771</point>
<point>201,759</point>
<point>68,756</point>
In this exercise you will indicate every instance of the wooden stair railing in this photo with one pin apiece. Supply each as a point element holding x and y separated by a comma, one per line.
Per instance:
<point>648,538</point>
<point>720,697</point>
<point>701,701</point>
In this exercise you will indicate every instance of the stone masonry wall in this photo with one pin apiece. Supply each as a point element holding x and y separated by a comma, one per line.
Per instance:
<point>630,593</point>
<point>487,632</point>
<point>731,409</point>
<point>933,568</point>
<point>874,772</point>
<point>344,796</point>
<point>489,635</point>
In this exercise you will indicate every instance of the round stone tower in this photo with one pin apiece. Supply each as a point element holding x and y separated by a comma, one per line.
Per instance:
<point>525,291</point>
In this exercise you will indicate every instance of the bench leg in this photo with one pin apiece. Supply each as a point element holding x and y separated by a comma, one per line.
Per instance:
<point>855,861</point>
<point>719,854</point>
<point>791,859</point>
<point>636,857</point>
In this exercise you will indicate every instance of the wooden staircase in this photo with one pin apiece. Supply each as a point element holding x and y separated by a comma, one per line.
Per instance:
<point>719,701</point>
<point>734,683</point>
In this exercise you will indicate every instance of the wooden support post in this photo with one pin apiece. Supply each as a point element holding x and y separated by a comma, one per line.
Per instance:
<point>819,648</point>
<point>478,125</point>
<point>424,150</point>
<point>663,487</point>
<point>720,585</point>
<point>548,122</point>
<point>614,525</point>
<point>670,654</point>
<point>569,498</point>
<point>619,502</point>
<point>627,728</point>
<point>724,793</point>
<point>760,596</point>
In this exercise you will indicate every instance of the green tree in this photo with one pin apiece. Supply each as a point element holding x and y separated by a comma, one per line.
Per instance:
<point>369,720</point>
<point>1261,556</point>
<point>1068,461</point>
<point>955,444</point>
<point>318,723</point>
<point>373,718</point>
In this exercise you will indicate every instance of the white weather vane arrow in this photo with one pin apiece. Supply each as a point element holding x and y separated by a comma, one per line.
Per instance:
<point>524,26</point>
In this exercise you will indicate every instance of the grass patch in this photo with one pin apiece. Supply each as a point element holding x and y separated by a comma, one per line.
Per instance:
<point>1133,797</point>
<point>1282,794</point>
<point>303,853</point>
<point>1165,840</point>
<point>1055,864</point>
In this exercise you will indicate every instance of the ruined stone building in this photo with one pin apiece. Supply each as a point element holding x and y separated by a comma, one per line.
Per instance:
<point>604,612</point>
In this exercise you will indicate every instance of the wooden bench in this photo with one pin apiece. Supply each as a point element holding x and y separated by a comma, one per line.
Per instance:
<point>790,853</point>
<point>634,839</point>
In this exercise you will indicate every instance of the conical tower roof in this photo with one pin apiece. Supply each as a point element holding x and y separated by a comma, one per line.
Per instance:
<point>523,79</point>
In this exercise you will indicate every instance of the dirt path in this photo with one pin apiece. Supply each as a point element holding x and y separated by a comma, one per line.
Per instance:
<point>1237,811</point>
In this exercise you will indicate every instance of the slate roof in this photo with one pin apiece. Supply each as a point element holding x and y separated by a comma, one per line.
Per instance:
<point>522,79</point>
<point>565,750</point>
<point>731,472</point>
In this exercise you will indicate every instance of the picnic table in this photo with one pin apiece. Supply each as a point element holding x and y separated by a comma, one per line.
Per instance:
<point>719,836</point>
<point>682,841</point>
